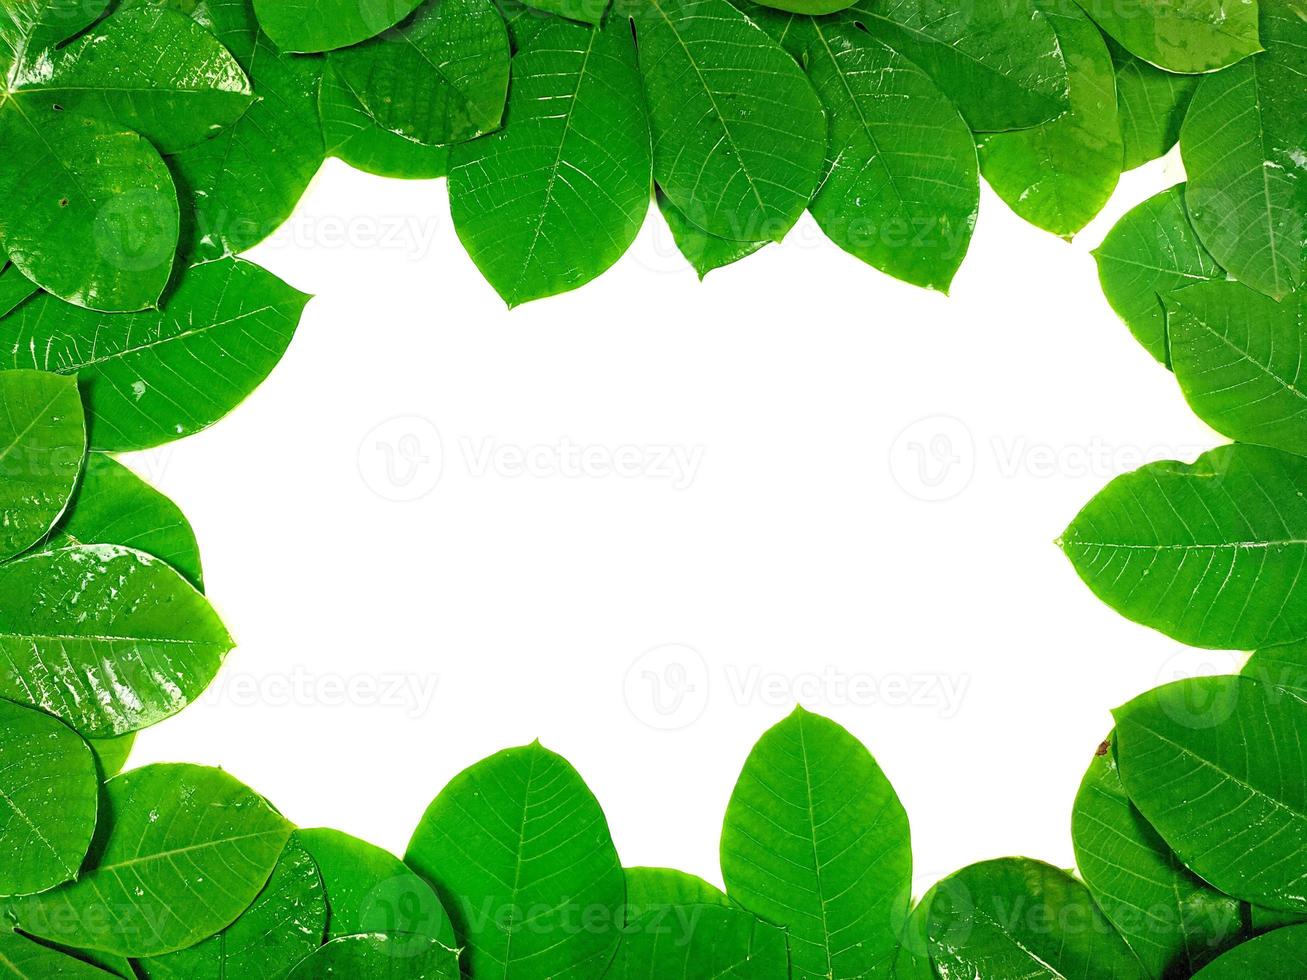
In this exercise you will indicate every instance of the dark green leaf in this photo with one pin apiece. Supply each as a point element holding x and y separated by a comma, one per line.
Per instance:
<point>24,959</point>
<point>1021,918</point>
<point>108,639</point>
<point>379,956</point>
<point>111,753</point>
<point>323,25</point>
<point>812,8</point>
<point>1282,953</point>
<point>42,443</point>
<point>648,889</point>
<point>158,376</point>
<point>739,134</point>
<point>1151,104</point>
<point>585,11</point>
<point>816,841</point>
<point>701,942</point>
<point>519,851</point>
<point>14,287</point>
<point>1184,36</point>
<point>353,136</point>
<point>48,801</point>
<point>186,850</point>
<point>557,196</point>
<point>1283,668</point>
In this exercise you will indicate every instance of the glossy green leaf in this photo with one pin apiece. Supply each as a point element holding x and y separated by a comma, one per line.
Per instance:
<point>14,287</point>
<point>158,376</point>
<point>48,801</point>
<point>556,197</point>
<point>816,841</point>
<point>1181,36</point>
<point>585,11</point>
<point>323,25</point>
<point>1151,252</point>
<point>1171,918</point>
<point>1264,920</point>
<point>1239,358</point>
<point>1282,953</point>
<point>516,835</point>
<point>1237,817</point>
<point>113,505</point>
<point>42,443</point>
<point>111,753</point>
<point>811,8</point>
<point>31,26</point>
<point>912,959</point>
<point>187,850</point>
<point>648,889</point>
<point>1283,668</point>
<point>739,134</point>
<point>1151,104</point>
<point>1059,175</point>
<point>25,959</point>
<point>1242,144</point>
<point>88,211</point>
<point>108,639</point>
<point>791,31</point>
<point>369,890</point>
<point>1021,918</point>
<point>703,251</point>
<point>1211,553</point>
<point>440,77</point>
<point>999,62</point>
<point>285,924</point>
<point>701,942</point>
<point>379,956</point>
<point>901,190</point>
<point>353,136</point>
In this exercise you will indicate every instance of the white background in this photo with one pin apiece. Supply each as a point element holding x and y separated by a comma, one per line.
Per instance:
<point>398,529</point>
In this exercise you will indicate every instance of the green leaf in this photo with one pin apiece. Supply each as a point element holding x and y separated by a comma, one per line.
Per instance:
<point>739,134</point>
<point>1242,144</point>
<point>323,25</point>
<point>108,639</point>
<point>1151,252</point>
<point>1282,953</point>
<point>24,959</point>
<point>793,32</point>
<point>912,960</point>
<point>353,136</point>
<point>1170,917</point>
<point>648,889</point>
<point>1239,359</point>
<point>901,190</point>
<point>440,77</point>
<point>1283,668</point>
<point>187,849</point>
<point>1151,105</point>
<point>111,753</point>
<point>701,942</point>
<point>158,376</point>
<point>518,849</point>
<point>1021,918</point>
<point>48,801</point>
<point>113,505</point>
<point>556,197</point>
<point>1237,817</point>
<point>1182,36</point>
<point>42,443</point>
<point>812,8</point>
<point>1059,175</point>
<point>586,11</point>
<point>703,251</point>
<point>999,62</point>
<point>151,70</point>
<point>369,890</point>
<point>816,841</point>
<point>88,211</point>
<point>1209,553</point>
<point>30,26</point>
<point>285,924</point>
<point>379,956</point>
<point>14,287</point>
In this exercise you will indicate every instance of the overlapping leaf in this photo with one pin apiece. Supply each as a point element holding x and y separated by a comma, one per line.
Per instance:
<point>1280,953</point>
<point>1151,104</point>
<point>379,956</point>
<point>322,25</point>
<point>25,959</point>
<point>1283,668</point>
<point>14,287</point>
<point>1185,36</point>
<point>701,942</point>
<point>703,251</point>
<point>648,889</point>
<point>354,136</point>
<point>111,753</point>
<point>586,11</point>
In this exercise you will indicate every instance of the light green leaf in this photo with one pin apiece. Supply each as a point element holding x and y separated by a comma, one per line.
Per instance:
<point>1283,668</point>
<point>816,841</point>
<point>1239,358</point>
<point>1151,105</point>
<point>1282,953</point>
<point>158,376</point>
<point>1242,144</point>
<point>1237,817</point>
<point>285,924</point>
<point>739,134</point>
<point>187,850</point>
<point>88,211</point>
<point>648,889</point>
<point>999,61</point>
<point>42,443</point>
<point>48,800</point>
<point>1150,252</point>
<point>1171,918</point>
<point>440,77</point>
<point>701,942</point>
<point>703,251</point>
<point>1059,175</point>
<point>556,197</point>
<point>24,959</point>
<point>353,136</point>
<point>901,190</point>
<point>1183,35</point>
<point>14,287</point>
<point>586,11</point>
<point>912,960</point>
<point>323,25</point>
<point>111,753</point>
<point>520,834</point>
<point>108,639</point>
<point>369,890</point>
<point>1021,918</point>
<point>379,956</point>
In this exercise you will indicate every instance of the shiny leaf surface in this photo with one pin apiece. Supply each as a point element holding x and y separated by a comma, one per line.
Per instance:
<point>24,959</point>
<point>1282,953</point>
<point>379,956</point>
<point>703,251</point>
<point>322,25</point>
<point>651,888</point>
<point>1151,104</point>
<point>1283,668</point>
<point>354,136</point>
<point>1183,36</point>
